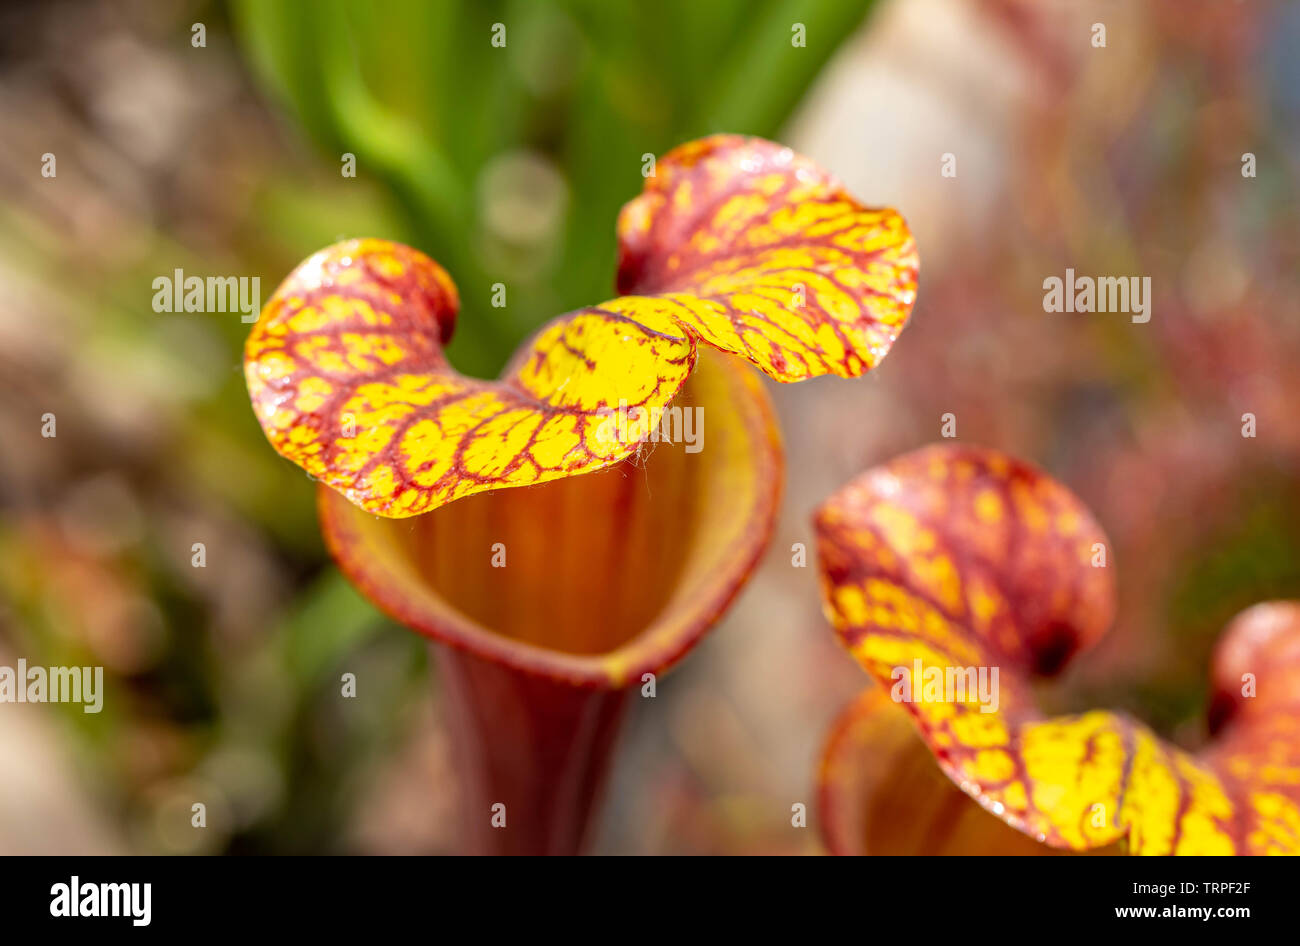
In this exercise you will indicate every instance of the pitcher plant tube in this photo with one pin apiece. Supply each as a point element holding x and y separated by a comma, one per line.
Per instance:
<point>535,527</point>
<point>951,567</point>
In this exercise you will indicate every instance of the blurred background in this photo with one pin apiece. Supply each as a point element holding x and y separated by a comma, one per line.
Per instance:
<point>510,165</point>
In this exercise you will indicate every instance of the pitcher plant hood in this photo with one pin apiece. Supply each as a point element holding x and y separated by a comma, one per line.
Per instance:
<point>956,558</point>
<point>736,243</point>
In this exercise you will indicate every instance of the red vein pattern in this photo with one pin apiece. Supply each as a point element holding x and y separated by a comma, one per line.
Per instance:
<point>955,560</point>
<point>737,242</point>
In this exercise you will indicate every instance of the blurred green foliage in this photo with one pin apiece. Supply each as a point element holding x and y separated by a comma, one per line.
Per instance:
<point>417,91</point>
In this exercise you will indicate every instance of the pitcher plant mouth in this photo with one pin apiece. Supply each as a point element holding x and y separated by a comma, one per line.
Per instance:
<point>595,580</point>
<point>553,561</point>
<point>952,566</point>
<point>736,247</point>
<point>547,603</point>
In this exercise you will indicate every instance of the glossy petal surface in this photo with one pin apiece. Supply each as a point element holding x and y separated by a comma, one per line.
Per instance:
<point>755,250</point>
